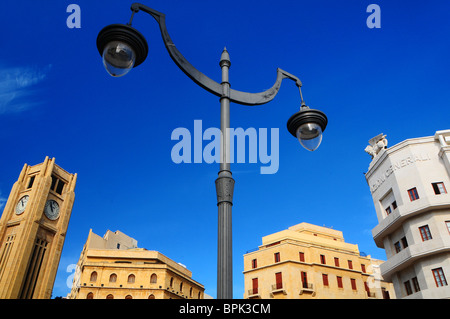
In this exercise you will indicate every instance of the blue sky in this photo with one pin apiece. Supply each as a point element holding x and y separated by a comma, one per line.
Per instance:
<point>57,100</point>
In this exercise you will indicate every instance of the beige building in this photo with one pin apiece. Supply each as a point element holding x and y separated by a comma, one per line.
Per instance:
<point>113,267</point>
<point>33,228</point>
<point>312,262</point>
<point>409,185</point>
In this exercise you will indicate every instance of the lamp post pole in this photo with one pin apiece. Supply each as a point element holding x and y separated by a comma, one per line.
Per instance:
<point>123,47</point>
<point>224,189</point>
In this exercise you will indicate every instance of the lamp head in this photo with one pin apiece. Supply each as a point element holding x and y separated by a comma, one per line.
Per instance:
<point>122,48</point>
<point>307,126</point>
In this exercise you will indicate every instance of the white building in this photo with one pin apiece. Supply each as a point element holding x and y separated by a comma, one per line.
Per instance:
<point>409,183</point>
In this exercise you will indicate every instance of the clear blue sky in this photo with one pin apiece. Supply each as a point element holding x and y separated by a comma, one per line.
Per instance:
<point>57,100</point>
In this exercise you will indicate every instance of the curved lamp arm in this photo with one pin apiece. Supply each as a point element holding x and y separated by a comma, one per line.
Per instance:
<point>206,82</point>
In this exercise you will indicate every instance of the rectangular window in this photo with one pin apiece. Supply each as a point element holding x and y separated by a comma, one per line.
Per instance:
<point>254,264</point>
<point>397,246</point>
<point>439,188</point>
<point>439,277</point>
<point>404,242</point>
<point>304,279</point>
<point>413,195</point>
<point>325,279</point>
<point>302,256</point>
<point>278,280</point>
<point>425,233</point>
<point>30,183</point>
<point>339,282</point>
<point>448,225</point>
<point>255,286</point>
<point>415,284</point>
<point>408,288</point>
<point>277,257</point>
<point>350,264</point>
<point>57,185</point>
<point>336,261</point>
<point>363,268</point>
<point>394,204</point>
<point>322,259</point>
<point>353,282</point>
<point>388,210</point>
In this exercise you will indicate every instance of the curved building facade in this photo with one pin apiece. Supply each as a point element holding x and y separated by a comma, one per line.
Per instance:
<point>410,184</point>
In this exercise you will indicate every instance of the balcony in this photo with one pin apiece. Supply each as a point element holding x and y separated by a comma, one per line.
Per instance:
<point>253,294</point>
<point>307,288</point>
<point>277,289</point>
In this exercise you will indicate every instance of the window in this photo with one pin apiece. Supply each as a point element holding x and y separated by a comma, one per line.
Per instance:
<point>404,242</point>
<point>131,279</point>
<point>325,279</point>
<point>277,257</point>
<point>278,281</point>
<point>322,259</point>
<point>415,284</point>
<point>57,185</point>
<point>394,204</point>
<point>153,279</point>
<point>304,279</point>
<point>448,225</point>
<point>413,195</point>
<point>181,287</point>
<point>254,286</point>
<point>408,288</point>
<point>118,246</point>
<point>90,296</point>
<point>30,183</point>
<point>171,282</point>
<point>439,277</point>
<point>388,210</point>
<point>110,296</point>
<point>425,233</point>
<point>397,246</point>
<point>363,268</point>
<point>339,282</point>
<point>353,282</point>
<point>113,278</point>
<point>254,264</point>
<point>350,264</point>
<point>128,297</point>
<point>336,261</point>
<point>93,276</point>
<point>439,188</point>
<point>302,255</point>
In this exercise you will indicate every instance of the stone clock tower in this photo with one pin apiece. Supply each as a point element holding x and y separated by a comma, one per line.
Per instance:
<point>33,227</point>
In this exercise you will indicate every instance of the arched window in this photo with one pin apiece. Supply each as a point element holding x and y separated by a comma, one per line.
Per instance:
<point>90,296</point>
<point>153,278</point>
<point>113,278</point>
<point>151,297</point>
<point>171,282</point>
<point>131,279</point>
<point>110,296</point>
<point>93,276</point>
<point>128,297</point>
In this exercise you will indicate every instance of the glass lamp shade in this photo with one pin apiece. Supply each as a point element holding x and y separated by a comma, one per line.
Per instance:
<point>309,135</point>
<point>118,58</point>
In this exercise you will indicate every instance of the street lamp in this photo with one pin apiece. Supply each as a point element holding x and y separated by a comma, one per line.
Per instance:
<point>122,48</point>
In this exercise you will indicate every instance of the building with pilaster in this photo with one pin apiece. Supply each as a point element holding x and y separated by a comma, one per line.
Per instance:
<point>409,184</point>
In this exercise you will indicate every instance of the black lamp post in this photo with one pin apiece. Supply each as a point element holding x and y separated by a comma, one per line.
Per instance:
<point>123,47</point>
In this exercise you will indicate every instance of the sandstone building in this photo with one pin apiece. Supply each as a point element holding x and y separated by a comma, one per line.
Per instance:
<point>113,267</point>
<point>312,262</point>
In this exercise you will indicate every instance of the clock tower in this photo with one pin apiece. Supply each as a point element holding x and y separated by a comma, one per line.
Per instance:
<point>33,227</point>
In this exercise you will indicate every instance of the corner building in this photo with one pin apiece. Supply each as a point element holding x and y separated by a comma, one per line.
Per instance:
<point>409,183</point>
<point>312,262</point>
<point>113,267</point>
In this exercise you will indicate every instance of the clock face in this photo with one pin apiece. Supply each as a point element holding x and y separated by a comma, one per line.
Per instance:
<point>51,209</point>
<point>22,204</point>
